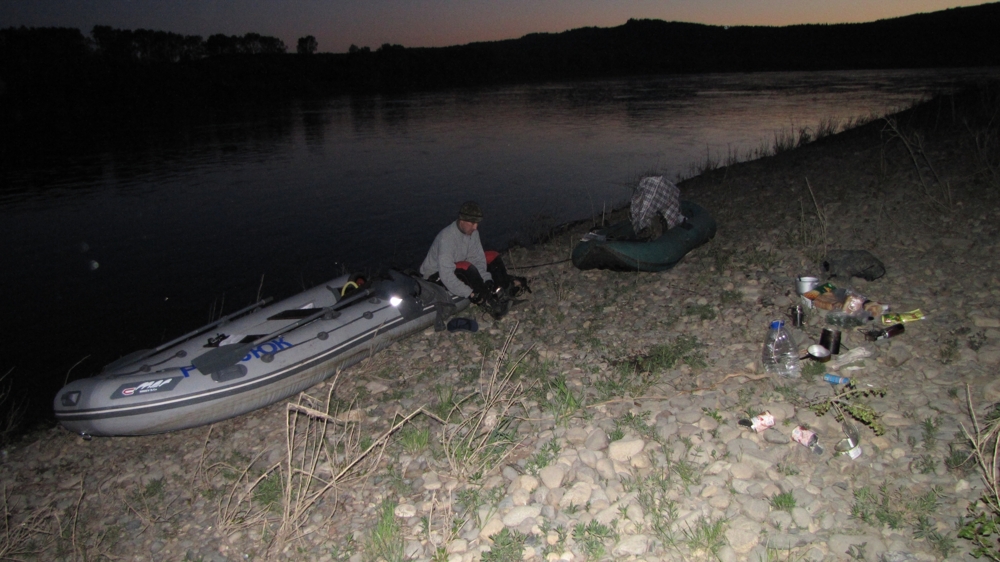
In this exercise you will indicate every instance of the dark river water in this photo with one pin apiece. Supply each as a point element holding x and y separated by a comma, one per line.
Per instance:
<point>118,250</point>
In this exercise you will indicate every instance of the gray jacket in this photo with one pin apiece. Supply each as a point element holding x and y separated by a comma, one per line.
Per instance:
<point>451,246</point>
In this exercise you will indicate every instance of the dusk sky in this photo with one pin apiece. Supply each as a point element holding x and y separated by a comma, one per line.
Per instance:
<point>337,24</point>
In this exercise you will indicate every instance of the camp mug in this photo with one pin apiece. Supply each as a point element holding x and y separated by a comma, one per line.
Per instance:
<point>830,339</point>
<point>806,284</point>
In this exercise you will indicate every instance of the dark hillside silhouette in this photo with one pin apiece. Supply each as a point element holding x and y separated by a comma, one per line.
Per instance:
<point>59,88</point>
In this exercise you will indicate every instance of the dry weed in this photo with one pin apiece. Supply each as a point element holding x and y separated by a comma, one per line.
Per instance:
<point>937,193</point>
<point>478,432</point>
<point>983,525</point>
<point>24,534</point>
<point>11,412</point>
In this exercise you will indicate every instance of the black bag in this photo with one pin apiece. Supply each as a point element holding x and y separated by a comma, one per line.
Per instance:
<point>853,263</point>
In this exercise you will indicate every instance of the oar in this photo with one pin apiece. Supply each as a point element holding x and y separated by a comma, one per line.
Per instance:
<point>137,356</point>
<point>224,356</point>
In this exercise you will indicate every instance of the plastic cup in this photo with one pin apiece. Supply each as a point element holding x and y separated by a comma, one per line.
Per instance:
<point>806,284</point>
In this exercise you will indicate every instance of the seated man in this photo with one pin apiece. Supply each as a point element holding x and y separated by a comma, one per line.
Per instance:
<point>456,259</point>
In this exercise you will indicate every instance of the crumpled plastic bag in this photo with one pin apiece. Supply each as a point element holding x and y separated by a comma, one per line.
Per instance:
<point>856,354</point>
<point>853,263</point>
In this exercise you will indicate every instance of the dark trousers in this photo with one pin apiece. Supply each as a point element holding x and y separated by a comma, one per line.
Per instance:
<point>469,274</point>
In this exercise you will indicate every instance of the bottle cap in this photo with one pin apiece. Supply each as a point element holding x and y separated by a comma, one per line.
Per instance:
<point>775,324</point>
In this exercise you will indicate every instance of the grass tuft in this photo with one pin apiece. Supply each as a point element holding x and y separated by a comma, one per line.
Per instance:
<point>507,546</point>
<point>707,535</point>
<point>784,501</point>
<point>385,541</point>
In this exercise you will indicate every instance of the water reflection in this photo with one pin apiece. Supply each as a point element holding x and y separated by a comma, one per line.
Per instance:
<point>185,218</point>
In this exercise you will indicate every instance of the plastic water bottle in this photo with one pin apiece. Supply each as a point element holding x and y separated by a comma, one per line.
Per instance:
<point>780,356</point>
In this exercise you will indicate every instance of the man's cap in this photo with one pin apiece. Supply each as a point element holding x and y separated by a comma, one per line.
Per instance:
<point>470,212</point>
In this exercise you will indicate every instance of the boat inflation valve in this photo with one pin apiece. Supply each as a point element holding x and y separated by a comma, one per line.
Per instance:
<point>368,315</point>
<point>181,353</point>
<point>70,398</point>
<point>267,357</point>
<point>322,336</point>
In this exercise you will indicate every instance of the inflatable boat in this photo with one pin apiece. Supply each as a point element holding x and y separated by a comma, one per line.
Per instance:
<point>253,357</point>
<point>616,247</point>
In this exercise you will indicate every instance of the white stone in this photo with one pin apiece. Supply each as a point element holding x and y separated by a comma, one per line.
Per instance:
<point>520,497</point>
<point>984,322</point>
<point>597,440</point>
<point>624,449</point>
<point>492,527</point>
<point>376,387</point>
<point>405,510</point>
<point>640,461</point>
<point>606,469</point>
<point>743,534</point>
<point>516,516</point>
<point>458,546</point>
<point>527,482</point>
<point>576,435</point>
<point>577,495</point>
<point>552,476</point>
<point>431,481</point>
<point>988,355</point>
<point>742,470</point>
<point>801,517</point>
<point>634,545</point>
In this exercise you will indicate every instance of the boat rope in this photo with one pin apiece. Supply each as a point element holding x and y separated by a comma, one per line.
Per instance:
<point>568,259</point>
<point>540,264</point>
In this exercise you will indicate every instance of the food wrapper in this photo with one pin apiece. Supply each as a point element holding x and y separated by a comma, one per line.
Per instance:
<point>874,309</point>
<point>827,301</point>
<point>853,303</point>
<point>902,317</point>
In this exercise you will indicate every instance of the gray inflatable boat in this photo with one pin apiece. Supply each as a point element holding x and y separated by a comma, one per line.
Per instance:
<point>253,357</point>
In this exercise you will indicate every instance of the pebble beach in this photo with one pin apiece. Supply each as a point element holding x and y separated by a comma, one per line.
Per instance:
<point>600,419</point>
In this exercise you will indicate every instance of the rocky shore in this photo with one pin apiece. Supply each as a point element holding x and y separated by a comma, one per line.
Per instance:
<point>599,419</point>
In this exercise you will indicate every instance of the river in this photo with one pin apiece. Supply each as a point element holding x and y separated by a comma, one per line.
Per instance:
<point>121,249</point>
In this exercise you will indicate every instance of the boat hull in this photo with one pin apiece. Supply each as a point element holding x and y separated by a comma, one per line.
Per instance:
<point>616,248</point>
<point>165,391</point>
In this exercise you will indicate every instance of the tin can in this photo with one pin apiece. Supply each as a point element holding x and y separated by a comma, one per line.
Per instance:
<point>758,423</point>
<point>892,331</point>
<point>830,339</point>
<point>850,445</point>
<point>804,436</point>
<point>885,333</point>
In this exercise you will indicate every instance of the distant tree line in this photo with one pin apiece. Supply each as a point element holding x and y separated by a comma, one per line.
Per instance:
<point>57,79</point>
<point>140,45</point>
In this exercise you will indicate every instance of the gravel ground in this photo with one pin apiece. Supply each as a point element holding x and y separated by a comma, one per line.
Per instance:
<point>608,403</point>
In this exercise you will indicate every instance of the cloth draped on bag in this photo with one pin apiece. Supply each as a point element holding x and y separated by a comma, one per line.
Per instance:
<point>655,195</point>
